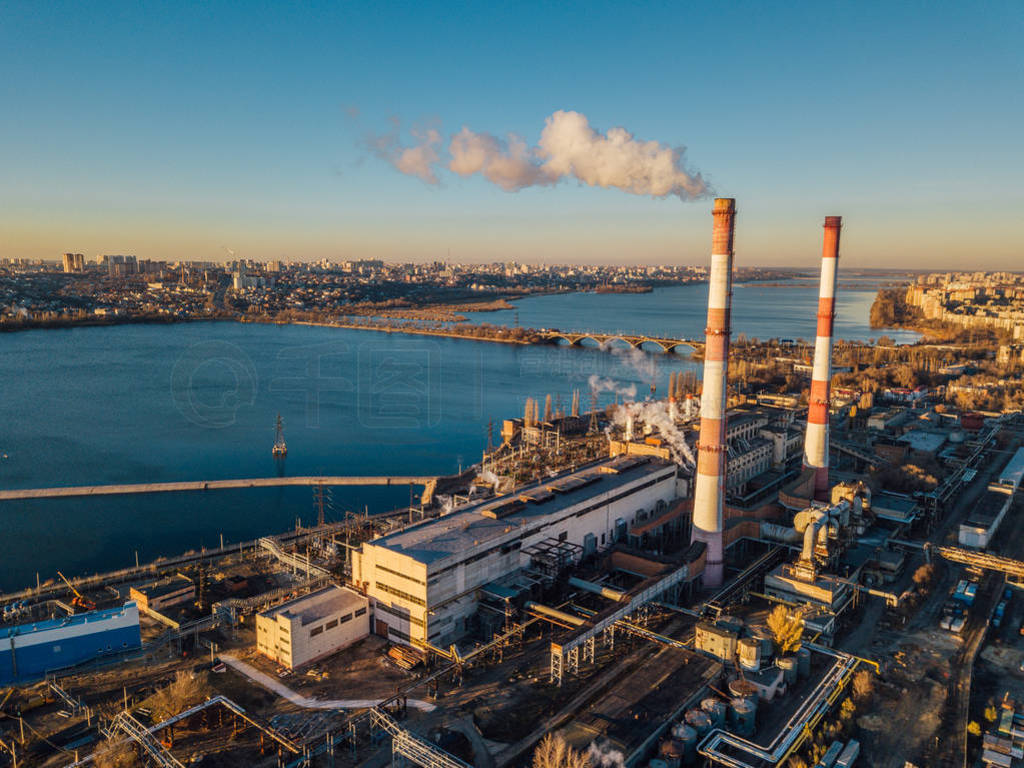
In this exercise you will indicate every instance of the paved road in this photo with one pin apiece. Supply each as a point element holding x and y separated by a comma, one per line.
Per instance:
<point>276,686</point>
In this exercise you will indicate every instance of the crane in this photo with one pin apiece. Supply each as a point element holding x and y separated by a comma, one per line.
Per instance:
<point>79,600</point>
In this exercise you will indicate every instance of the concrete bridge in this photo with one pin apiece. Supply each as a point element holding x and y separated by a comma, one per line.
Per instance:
<point>634,340</point>
<point>205,485</point>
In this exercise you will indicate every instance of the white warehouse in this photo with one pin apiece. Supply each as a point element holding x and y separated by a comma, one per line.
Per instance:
<point>424,580</point>
<point>312,626</point>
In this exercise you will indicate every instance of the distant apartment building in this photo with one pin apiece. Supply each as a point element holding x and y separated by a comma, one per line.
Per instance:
<point>74,262</point>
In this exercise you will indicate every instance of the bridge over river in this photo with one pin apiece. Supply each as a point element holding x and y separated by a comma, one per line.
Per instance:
<point>205,485</point>
<point>575,339</point>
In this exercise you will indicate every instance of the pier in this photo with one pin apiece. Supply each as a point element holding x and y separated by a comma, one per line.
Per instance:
<point>204,485</point>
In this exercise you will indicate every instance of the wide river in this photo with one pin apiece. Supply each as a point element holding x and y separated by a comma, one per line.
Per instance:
<point>198,401</point>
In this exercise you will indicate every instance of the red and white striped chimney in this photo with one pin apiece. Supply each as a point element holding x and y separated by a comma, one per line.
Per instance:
<point>712,450</point>
<point>816,439</point>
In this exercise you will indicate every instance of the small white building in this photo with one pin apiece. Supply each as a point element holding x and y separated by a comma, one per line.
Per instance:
<point>313,626</point>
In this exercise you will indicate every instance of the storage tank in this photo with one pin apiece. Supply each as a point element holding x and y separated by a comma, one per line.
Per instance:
<point>687,737</point>
<point>744,716</point>
<point>715,709</point>
<point>671,752</point>
<point>743,689</point>
<point>767,646</point>
<point>788,665</point>
<point>699,721</point>
<point>803,662</point>
<point>749,653</point>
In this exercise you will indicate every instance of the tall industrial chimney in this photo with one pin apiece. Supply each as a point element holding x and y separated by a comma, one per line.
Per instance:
<point>816,439</point>
<point>712,449</point>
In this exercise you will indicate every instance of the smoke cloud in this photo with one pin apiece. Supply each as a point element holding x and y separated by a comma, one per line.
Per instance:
<point>599,384</point>
<point>569,148</point>
<point>655,414</point>
<point>417,160</point>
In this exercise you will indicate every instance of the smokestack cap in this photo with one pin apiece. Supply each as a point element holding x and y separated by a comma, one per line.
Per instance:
<point>725,205</point>
<point>833,221</point>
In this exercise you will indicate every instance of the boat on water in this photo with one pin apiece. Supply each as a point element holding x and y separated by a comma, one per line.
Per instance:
<point>280,446</point>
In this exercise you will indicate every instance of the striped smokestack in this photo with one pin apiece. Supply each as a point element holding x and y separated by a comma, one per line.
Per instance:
<point>712,450</point>
<point>816,440</point>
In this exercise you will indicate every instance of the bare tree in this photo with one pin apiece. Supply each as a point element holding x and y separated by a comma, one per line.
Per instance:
<point>186,690</point>
<point>554,752</point>
<point>115,754</point>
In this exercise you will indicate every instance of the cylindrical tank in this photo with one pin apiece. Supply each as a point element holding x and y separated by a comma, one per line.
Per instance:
<point>671,752</point>
<point>716,711</point>
<point>743,689</point>
<point>749,652</point>
<point>687,737</point>
<point>803,662</point>
<point>744,715</point>
<point>767,646</point>
<point>699,721</point>
<point>788,665</point>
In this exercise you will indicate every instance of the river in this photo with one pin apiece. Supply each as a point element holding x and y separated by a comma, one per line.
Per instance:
<point>197,401</point>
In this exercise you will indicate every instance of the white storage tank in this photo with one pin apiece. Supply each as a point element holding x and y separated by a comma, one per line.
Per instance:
<point>749,653</point>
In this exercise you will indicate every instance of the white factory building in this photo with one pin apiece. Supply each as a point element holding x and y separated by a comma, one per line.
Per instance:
<point>312,626</point>
<point>425,580</point>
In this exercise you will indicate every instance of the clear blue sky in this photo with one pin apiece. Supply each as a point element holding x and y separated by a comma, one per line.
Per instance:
<point>175,132</point>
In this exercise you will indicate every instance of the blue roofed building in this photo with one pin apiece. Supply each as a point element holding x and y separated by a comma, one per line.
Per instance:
<point>29,651</point>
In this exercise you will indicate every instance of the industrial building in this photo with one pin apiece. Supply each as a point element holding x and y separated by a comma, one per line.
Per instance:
<point>425,579</point>
<point>312,626</point>
<point>165,594</point>
<point>29,651</point>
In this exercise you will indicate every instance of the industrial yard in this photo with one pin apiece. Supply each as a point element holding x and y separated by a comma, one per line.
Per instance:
<point>699,577</point>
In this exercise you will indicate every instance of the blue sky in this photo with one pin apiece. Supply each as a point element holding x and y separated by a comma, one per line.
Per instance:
<point>174,132</point>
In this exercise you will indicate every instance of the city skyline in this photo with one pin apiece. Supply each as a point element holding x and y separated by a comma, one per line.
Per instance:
<point>175,135</point>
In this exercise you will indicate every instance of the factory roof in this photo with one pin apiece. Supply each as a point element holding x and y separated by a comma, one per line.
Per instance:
<point>78,619</point>
<point>923,441</point>
<point>892,506</point>
<point>490,519</point>
<point>316,605</point>
<point>159,589</point>
<point>986,510</point>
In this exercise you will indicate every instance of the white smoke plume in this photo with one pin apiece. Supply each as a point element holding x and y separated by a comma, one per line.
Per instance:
<point>416,160</point>
<point>636,360</point>
<point>603,755</point>
<point>569,148</point>
<point>599,384</point>
<point>654,414</point>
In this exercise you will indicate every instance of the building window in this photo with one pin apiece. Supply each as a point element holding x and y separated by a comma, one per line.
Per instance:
<point>331,624</point>
<point>399,593</point>
<point>346,617</point>
<point>315,631</point>
<point>361,611</point>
